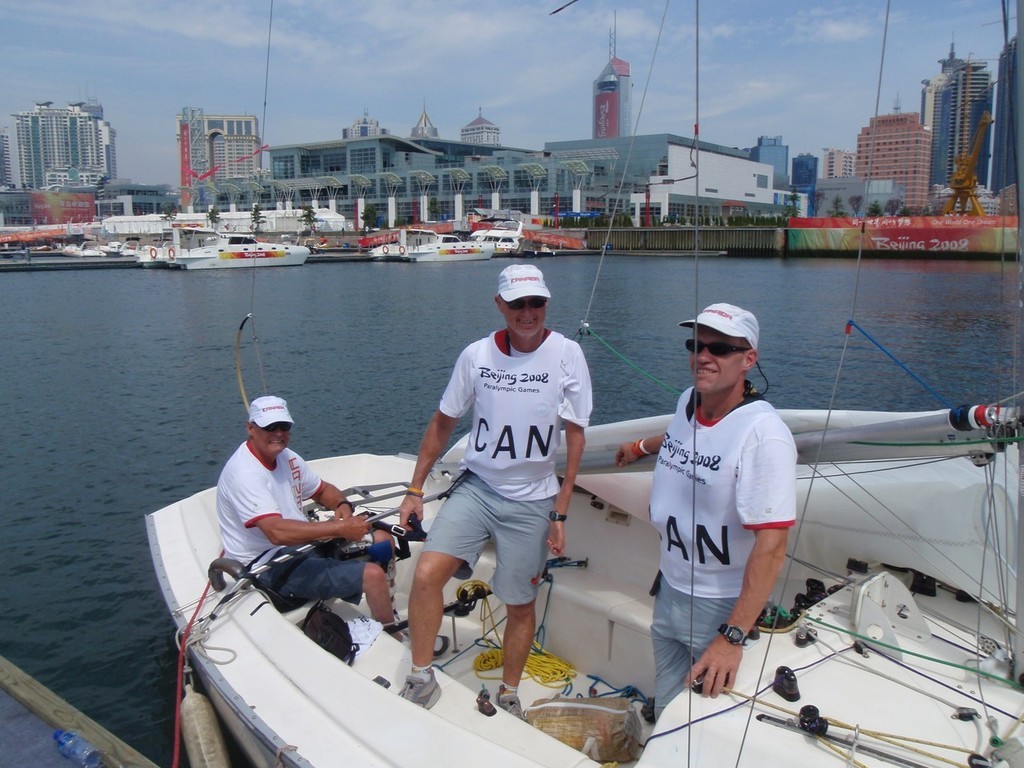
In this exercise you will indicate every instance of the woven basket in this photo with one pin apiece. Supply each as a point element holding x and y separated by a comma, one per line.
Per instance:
<point>604,729</point>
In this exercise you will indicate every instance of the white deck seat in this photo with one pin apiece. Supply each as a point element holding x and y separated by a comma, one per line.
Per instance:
<point>602,626</point>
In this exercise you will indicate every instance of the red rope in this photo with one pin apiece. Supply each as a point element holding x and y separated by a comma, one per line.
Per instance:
<point>181,675</point>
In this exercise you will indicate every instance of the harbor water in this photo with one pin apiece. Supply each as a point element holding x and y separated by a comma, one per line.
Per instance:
<point>119,396</point>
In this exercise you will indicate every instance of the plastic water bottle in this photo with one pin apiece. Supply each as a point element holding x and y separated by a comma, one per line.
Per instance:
<point>80,752</point>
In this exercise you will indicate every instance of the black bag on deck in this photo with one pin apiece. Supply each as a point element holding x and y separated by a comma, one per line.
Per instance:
<point>328,630</point>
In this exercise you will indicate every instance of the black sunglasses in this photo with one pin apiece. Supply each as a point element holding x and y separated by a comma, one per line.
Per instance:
<point>278,426</point>
<point>716,348</point>
<point>533,302</point>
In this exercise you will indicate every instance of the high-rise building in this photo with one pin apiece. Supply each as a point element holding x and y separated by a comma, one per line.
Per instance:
<point>952,104</point>
<point>1004,171</point>
<point>424,129</point>
<point>481,131</point>
<point>805,177</point>
<point>364,127</point>
<point>216,148</point>
<point>805,169</point>
<point>65,145</point>
<point>613,97</point>
<point>838,163</point>
<point>772,151</point>
<point>897,147</point>
<point>6,172</point>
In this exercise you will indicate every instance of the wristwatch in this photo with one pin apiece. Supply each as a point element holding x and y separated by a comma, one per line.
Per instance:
<point>557,518</point>
<point>732,633</point>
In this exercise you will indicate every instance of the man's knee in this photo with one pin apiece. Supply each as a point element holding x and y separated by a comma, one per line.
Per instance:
<point>374,578</point>
<point>433,569</point>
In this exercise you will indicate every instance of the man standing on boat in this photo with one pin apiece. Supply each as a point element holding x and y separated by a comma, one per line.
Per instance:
<point>723,499</point>
<point>259,505</point>
<point>522,383</point>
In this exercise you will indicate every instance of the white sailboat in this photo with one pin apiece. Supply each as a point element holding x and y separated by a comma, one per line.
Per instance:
<point>880,659</point>
<point>891,638</point>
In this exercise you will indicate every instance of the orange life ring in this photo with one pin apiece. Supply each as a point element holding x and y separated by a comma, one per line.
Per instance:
<point>152,252</point>
<point>401,250</point>
<point>385,250</point>
<point>170,253</point>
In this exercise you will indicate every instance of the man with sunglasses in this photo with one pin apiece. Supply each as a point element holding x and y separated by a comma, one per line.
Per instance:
<point>522,384</point>
<point>259,506</point>
<point>723,499</point>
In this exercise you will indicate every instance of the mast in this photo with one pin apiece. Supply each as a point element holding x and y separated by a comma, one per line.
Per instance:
<point>1015,641</point>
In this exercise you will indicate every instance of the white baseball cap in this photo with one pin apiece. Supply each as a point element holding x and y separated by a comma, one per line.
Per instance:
<point>521,280</point>
<point>264,411</point>
<point>728,319</point>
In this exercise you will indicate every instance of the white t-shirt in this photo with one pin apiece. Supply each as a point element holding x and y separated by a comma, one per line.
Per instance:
<point>249,490</point>
<point>740,475</point>
<point>518,402</point>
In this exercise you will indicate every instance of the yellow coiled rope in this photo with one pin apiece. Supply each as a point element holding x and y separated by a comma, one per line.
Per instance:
<point>541,667</point>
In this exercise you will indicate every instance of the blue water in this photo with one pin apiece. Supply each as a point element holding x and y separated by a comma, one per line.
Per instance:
<point>119,396</point>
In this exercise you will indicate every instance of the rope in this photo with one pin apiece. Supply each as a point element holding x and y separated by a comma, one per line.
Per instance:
<point>891,356</point>
<point>630,363</point>
<point>176,754</point>
<point>541,666</point>
<point>897,740</point>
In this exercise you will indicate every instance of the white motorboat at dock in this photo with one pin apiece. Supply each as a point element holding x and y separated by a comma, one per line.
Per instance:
<point>201,248</point>
<point>426,245</point>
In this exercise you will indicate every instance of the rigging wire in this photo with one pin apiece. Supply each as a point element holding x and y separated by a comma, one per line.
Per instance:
<point>814,465</point>
<point>257,217</point>
<point>629,154</point>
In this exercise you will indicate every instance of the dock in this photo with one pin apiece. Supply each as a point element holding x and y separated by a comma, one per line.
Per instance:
<point>51,263</point>
<point>30,713</point>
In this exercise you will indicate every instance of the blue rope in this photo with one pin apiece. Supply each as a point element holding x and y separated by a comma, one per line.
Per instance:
<point>630,692</point>
<point>914,376</point>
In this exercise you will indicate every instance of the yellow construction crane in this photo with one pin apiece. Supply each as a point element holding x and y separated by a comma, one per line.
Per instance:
<point>964,181</point>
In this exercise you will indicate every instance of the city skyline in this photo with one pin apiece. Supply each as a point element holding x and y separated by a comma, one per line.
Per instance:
<point>808,74</point>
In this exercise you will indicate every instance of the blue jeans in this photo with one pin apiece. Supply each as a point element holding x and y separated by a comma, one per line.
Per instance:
<point>318,577</point>
<point>682,629</point>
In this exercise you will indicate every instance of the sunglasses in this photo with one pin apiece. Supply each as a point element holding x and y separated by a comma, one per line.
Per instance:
<point>716,348</point>
<point>278,426</point>
<point>533,302</point>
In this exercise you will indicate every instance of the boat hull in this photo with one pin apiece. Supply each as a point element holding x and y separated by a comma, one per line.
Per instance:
<point>271,256</point>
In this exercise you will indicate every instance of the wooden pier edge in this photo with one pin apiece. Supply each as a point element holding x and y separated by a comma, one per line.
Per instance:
<point>58,713</point>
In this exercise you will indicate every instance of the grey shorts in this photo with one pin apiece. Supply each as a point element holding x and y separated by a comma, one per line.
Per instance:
<point>474,514</point>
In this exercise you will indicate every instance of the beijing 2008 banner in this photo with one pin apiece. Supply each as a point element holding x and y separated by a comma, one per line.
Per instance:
<point>929,236</point>
<point>61,207</point>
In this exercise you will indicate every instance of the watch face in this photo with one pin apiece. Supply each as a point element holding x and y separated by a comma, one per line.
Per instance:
<point>733,634</point>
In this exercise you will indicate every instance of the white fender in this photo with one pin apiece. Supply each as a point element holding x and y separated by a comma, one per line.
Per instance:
<point>204,742</point>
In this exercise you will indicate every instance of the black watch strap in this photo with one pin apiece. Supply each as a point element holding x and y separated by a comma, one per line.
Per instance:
<point>557,518</point>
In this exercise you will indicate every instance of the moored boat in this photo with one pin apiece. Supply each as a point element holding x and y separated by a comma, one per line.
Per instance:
<point>921,493</point>
<point>199,248</point>
<point>425,245</point>
<point>505,236</point>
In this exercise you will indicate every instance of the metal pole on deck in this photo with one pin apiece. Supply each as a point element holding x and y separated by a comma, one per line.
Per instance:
<point>1019,165</point>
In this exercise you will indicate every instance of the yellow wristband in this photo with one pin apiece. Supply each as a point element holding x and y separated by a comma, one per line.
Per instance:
<point>410,491</point>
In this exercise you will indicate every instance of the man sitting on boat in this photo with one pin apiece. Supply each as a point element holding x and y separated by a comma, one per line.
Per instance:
<point>722,500</point>
<point>522,384</point>
<point>259,497</point>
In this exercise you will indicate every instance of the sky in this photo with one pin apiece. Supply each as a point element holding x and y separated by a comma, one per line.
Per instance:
<point>812,72</point>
